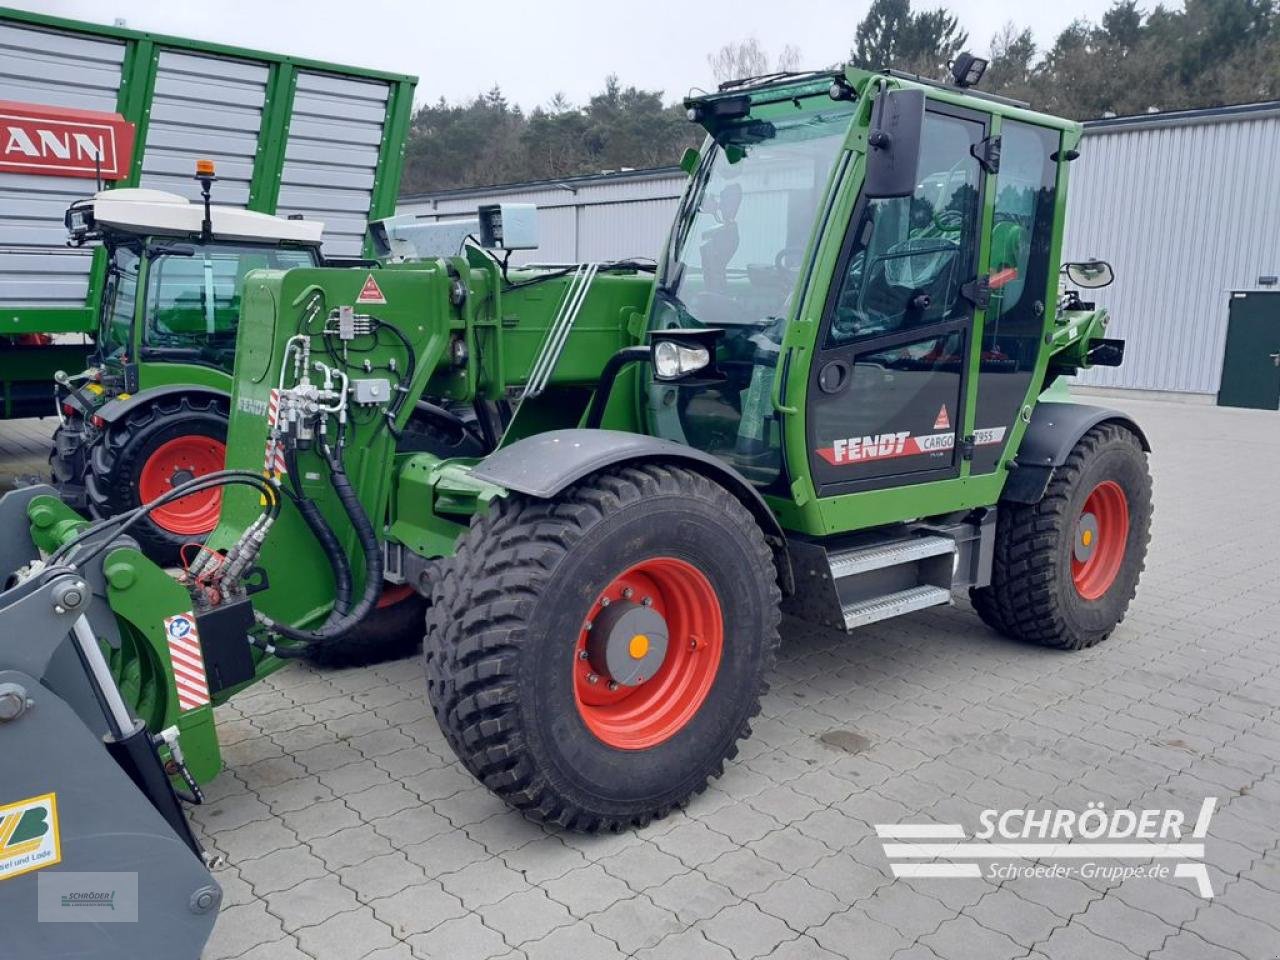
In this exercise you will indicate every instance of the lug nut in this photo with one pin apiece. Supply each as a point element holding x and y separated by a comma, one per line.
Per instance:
<point>613,685</point>
<point>647,601</point>
<point>604,601</point>
<point>582,654</point>
<point>628,593</point>
<point>593,678</point>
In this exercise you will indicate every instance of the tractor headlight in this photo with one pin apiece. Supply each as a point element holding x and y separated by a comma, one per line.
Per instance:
<point>672,360</point>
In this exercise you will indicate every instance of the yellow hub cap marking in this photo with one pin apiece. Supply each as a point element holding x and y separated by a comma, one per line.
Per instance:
<point>638,647</point>
<point>1087,537</point>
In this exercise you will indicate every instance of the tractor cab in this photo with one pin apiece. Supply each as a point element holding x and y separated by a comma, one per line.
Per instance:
<point>175,276</point>
<point>879,256</point>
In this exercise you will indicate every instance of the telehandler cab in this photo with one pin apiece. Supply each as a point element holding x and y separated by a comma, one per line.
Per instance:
<point>827,397</point>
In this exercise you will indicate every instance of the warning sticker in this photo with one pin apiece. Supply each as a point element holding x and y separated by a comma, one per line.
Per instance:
<point>187,659</point>
<point>29,835</point>
<point>943,422</point>
<point>370,292</point>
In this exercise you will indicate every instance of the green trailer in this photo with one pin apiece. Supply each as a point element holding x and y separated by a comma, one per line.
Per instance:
<point>290,136</point>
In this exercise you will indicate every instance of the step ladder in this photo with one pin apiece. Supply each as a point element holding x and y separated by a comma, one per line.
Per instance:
<point>855,585</point>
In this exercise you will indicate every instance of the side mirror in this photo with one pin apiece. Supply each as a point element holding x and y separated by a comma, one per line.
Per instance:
<point>1089,274</point>
<point>893,146</point>
<point>689,160</point>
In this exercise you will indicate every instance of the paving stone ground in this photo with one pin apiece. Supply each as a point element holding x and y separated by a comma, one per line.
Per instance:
<point>351,832</point>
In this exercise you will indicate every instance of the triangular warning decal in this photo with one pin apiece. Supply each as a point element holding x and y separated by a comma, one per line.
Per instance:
<point>371,292</point>
<point>942,423</point>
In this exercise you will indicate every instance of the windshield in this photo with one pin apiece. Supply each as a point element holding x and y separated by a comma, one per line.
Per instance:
<point>193,296</point>
<point>733,262</point>
<point>118,301</point>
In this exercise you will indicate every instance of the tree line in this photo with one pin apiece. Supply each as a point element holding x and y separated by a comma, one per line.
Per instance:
<point>1134,60</point>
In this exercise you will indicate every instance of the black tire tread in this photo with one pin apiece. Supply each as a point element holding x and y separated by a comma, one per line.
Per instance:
<point>1022,601</point>
<point>480,608</point>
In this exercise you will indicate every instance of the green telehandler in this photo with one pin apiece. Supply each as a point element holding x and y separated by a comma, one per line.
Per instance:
<point>831,396</point>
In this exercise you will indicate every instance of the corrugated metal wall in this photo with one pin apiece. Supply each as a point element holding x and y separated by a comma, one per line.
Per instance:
<point>1185,213</point>
<point>609,218</point>
<point>332,156</point>
<point>204,107</point>
<point>55,69</point>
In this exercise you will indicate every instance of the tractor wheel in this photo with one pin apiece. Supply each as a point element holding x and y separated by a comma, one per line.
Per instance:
<point>594,659</point>
<point>392,630</point>
<point>1066,568</point>
<point>69,460</point>
<point>150,451</point>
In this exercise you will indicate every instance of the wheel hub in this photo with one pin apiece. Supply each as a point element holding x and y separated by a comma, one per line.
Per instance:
<point>1086,537</point>
<point>627,643</point>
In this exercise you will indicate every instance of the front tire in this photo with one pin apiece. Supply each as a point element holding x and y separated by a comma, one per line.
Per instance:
<point>150,451</point>
<point>1066,568</point>
<point>509,659</point>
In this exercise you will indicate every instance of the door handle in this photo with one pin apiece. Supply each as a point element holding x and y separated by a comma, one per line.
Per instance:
<point>1275,358</point>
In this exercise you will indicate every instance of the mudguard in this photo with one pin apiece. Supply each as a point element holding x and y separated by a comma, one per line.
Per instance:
<point>118,407</point>
<point>1053,431</point>
<point>544,464</point>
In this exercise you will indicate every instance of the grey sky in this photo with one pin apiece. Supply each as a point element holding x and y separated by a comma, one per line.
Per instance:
<point>533,50</point>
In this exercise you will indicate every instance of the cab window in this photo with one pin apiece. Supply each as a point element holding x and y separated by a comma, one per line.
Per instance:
<point>911,255</point>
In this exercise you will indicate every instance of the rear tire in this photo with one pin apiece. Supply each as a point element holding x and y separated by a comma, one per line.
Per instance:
<point>1041,591</point>
<point>117,461</point>
<point>503,656</point>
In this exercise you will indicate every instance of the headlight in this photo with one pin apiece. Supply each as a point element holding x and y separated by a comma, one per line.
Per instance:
<point>671,360</point>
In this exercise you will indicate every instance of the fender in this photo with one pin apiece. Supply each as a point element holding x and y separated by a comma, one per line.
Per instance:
<point>545,464</point>
<point>1053,431</point>
<point>117,408</point>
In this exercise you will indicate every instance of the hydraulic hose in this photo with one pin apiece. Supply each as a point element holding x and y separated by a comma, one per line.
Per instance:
<point>324,535</point>
<point>334,628</point>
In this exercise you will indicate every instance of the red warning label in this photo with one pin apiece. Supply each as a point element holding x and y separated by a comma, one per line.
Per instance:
<point>370,292</point>
<point>943,422</point>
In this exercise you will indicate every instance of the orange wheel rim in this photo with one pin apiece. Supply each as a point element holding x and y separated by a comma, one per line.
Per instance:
<point>1101,532</point>
<point>174,463</point>
<point>651,709</point>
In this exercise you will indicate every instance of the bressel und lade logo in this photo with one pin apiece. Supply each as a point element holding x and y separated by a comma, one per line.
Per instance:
<point>1094,842</point>
<point>59,142</point>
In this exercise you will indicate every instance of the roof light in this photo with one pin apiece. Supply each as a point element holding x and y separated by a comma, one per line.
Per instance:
<point>204,168</point>
<point>967,70</point>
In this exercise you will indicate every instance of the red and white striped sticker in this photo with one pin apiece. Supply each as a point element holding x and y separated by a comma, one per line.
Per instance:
<point>187,661</point>
<point>273,456</point>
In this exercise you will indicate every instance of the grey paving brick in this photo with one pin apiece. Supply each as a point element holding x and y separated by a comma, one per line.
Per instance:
<point>417,909</point>
<point>746,930</point>
<point>466,938</point>
<point>382,800</point>
<point>1189,946</point>
<point>694,843</point>
<point>350,846</point>
<point>229,812</point>
<point>590,889</point>
<point>783,804</point>
<point>643,866</point>
<point>1025,922</point>
<point>446,852</point>
<point>382,876</point>
<point>281,869</point>
<point>507,831</point>
<point>311,902</point>
<point>685,945</point>
<point>853,932</point>
<point>635,923</point>
<point>846,878</point>
<point>913,913</point>
<point>483,882</point>
<point>804,948</point>
<point>574,940</point>
<point>1234,931</point>
<point>691,897</point>
<point>739,822</point>
<point>743,872</point>
<point>792,850</point>
<point>798,903</point>
<point>294,794</point>
<point>524,916</point>
<point>963,938</point>
<point>1140,931</point>
<point>352,778</point>
<point>542,859</point>
<point>255,839</point>
<point>321,819</point>
<point>1076,942</point>
<point>241,927</point>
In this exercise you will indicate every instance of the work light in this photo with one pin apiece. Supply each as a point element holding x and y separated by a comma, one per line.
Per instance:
<point>672,360</point>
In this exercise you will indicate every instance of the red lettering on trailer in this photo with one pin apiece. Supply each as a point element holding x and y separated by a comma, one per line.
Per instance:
<point>60,142</point>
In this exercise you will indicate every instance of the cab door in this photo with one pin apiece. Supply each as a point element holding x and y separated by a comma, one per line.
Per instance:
<point>887,385</point>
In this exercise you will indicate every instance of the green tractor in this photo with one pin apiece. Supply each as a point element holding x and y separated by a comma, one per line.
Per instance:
<point>828,397</point>
<point>151,410</point>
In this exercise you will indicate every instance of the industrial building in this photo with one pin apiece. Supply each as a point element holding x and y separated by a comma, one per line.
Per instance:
<point>1184,205</point>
